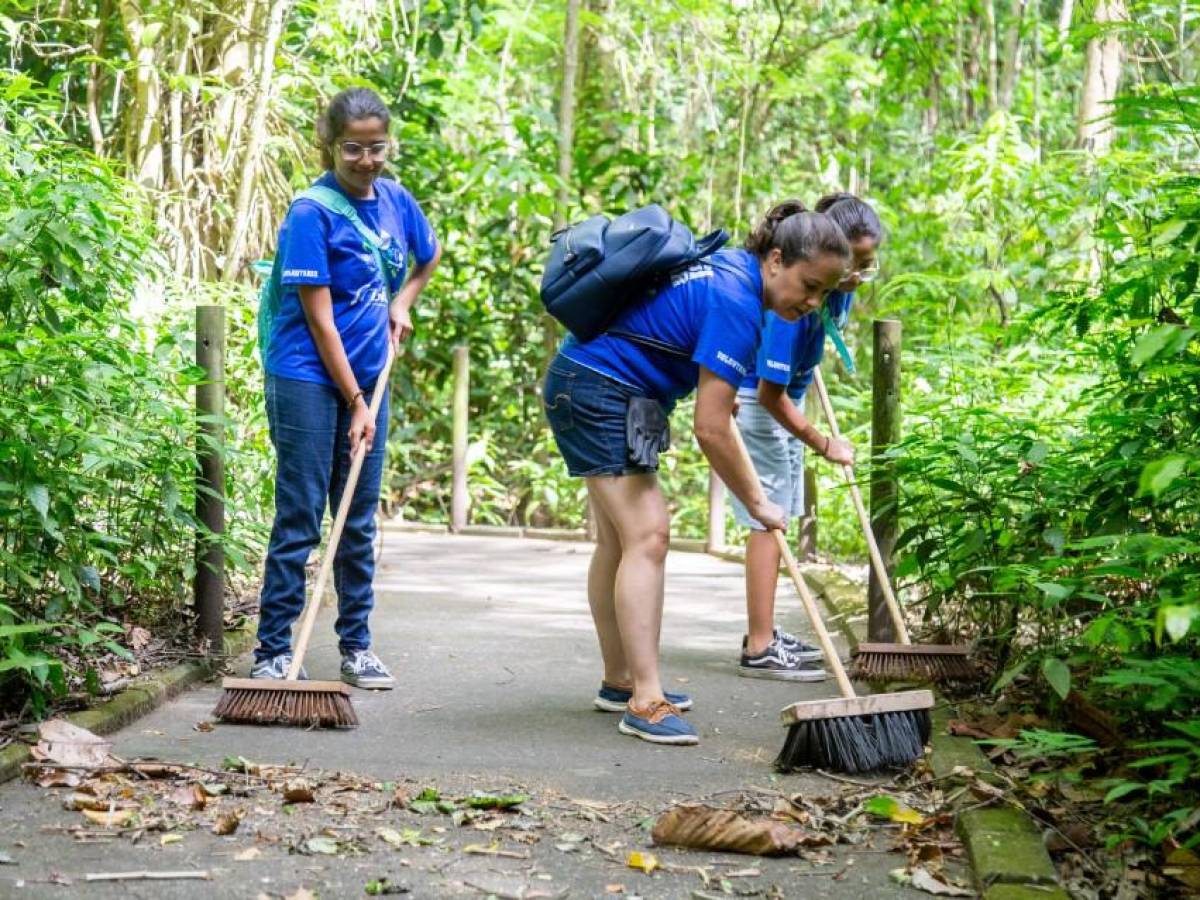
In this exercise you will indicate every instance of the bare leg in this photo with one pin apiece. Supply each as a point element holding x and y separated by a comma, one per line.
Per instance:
<point>634,505</point>
<point>762,576</point>
<point>602,579</point>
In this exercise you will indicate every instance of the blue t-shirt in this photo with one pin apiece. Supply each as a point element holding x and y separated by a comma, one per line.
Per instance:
<point>789,351</point>
<point>707,316</point>
<point>321,247</point>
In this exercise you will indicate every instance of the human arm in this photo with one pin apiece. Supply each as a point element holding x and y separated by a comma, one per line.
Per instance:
<point>401,307</point>
<point>774,398</point>
<point>713,426</point>
<point>317,303</point>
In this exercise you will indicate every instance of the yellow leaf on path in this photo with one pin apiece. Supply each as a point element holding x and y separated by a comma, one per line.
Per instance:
<point>250,853</point>
<point>646,862</point>
<point>169,839</point>
<point>893,809</point>
<point>110,819</point>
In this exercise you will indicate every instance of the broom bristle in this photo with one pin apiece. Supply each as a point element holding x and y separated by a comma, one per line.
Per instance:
<point>301,706</point>
<point>894,663</point>
<point>856,735</point>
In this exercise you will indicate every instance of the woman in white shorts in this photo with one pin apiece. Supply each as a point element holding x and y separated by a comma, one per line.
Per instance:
<point>773,425</point>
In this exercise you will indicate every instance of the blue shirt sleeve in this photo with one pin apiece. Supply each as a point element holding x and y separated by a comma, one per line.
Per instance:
<point>417,231</point>
<point>728,338</point>
<point>304,245</point>
<point>774,361</point>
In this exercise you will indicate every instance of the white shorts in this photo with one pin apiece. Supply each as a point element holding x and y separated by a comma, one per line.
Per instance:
<point>778,458</point>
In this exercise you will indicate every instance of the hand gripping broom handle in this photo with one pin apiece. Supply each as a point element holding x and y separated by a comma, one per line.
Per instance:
<point>806,597</point>
<point>339,522</point>
<point>881,574</point>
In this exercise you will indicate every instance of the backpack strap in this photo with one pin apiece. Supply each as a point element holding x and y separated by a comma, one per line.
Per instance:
<point>835,335</point>
<point>336,202</point>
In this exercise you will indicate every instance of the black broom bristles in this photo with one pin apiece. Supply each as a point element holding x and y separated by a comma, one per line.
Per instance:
<point>856,744</point>
<point>857,734</point>
<point>303,707</point>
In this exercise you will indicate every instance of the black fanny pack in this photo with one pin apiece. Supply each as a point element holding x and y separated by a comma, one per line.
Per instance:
<point>647,431</point>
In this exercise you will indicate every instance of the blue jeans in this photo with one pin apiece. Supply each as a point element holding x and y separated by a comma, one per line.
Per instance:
<point>309,427</point>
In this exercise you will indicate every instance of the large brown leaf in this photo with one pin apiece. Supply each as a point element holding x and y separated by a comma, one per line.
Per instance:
<point>705,828</point>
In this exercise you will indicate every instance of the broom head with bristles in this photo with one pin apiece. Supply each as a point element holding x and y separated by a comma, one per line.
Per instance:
<point>307,704</point>
<point>937,663</point>
<point>858,734</point>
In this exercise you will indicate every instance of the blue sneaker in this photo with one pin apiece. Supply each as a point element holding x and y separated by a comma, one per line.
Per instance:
<point>658,723</point>
<point>615,699</point>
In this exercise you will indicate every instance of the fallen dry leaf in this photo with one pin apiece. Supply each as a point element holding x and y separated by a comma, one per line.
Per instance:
<point>69,745</point>
<point>228,823</point>
<point>706,828</point>
<point>297,791</point>
<point>250,853</point>
<point>923,880</point>
<point>81,800</point>
<point>190,796</point>
<point>138,638</point>
<point>301,894</point>
<point>1184,866</point>
<point>614,888</point>
<point>646,862</point>
<point>400,798</point>
<point>110,819</point>
<point>204,727</point>
<point>58,778</point>
<point>169,839</point>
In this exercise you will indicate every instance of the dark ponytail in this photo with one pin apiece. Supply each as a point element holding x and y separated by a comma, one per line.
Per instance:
<point>854,216</point>
<point>797,233</point>
<point>352,105</point>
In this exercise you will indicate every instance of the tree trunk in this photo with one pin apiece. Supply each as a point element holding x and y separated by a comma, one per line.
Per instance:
<point>566,111</point>
<point>1101,79</point>
<point>258,122</point>
<point>1064,18</point>
<point>993,56</point>
<point>1012,53</point>
<point>94,82</point>
<point>143,136</point>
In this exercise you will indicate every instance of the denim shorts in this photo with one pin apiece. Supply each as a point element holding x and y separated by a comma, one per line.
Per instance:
<point>587,412</point>
<point>778,459</point>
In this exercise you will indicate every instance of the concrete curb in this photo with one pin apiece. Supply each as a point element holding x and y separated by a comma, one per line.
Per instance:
<point>135,701</point>
<point>1004,845</point>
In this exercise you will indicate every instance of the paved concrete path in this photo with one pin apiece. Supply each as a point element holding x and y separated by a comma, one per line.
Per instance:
<point>493,649</point>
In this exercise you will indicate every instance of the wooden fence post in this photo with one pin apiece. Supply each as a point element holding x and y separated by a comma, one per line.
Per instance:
<point>459,496</point>
<point>716,514</point>
<point>885,431</point>
<point>208,584</point>
<point>806,536</point>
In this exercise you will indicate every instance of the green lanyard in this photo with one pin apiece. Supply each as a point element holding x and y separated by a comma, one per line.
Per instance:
<point>835,335</point>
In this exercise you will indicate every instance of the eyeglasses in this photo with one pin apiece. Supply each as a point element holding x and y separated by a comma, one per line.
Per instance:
<point>352,151</point>
<point>865,275</point>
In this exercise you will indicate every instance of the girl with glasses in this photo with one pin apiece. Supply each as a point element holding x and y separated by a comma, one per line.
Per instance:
<point>776,432</point>
<point>344,298</point>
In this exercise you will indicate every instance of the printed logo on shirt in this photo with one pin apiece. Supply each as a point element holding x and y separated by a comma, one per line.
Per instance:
<point>691,274</point>
<point>300,273</point>
<point>731,362</point>
<point>776,364</point>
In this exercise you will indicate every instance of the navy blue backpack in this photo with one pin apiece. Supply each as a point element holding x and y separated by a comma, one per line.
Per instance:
<point>598,267</point>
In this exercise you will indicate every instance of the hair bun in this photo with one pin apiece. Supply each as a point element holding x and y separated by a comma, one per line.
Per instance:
<point>829,199</point>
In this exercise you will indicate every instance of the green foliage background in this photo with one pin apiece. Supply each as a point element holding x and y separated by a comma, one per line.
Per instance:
<point>1049,472</point>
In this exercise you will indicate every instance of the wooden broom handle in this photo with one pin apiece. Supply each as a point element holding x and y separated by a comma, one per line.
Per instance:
<point>806,597</point>
<point>339,521</point>
<point>881,573</point>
